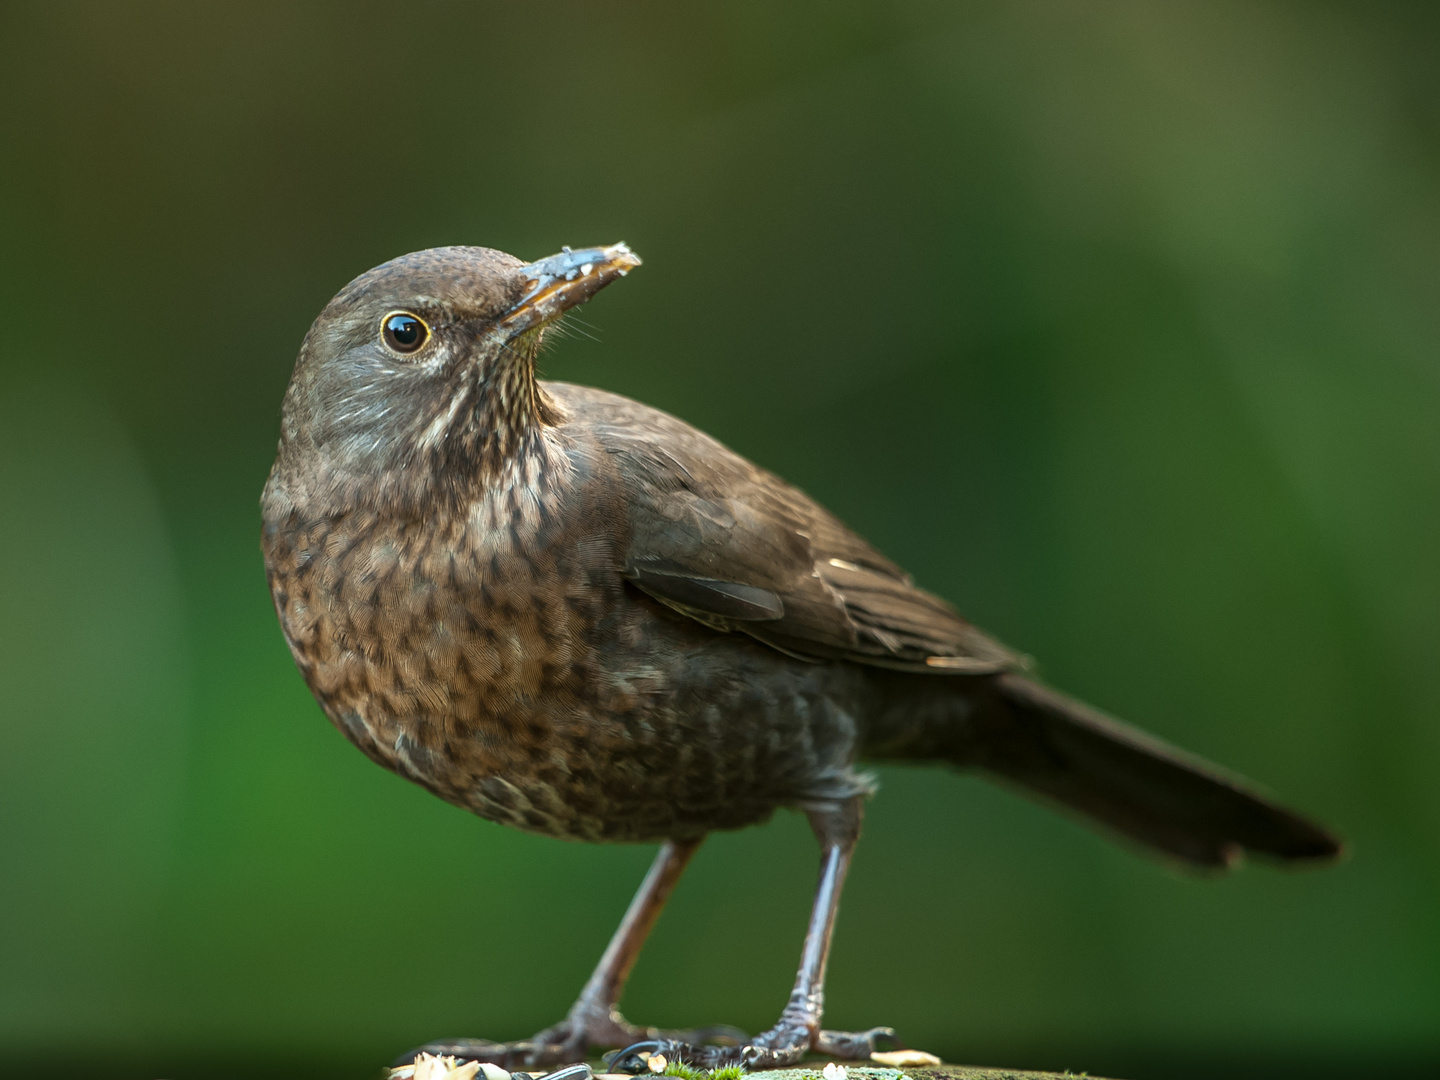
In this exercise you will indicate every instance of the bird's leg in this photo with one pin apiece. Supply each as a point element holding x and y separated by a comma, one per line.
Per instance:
<point>594,1020</point>
<point>798,1029</point>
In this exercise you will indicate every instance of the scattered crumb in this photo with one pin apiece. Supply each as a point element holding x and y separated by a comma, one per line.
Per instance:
<point>431,1067</point>
<point>655,1063</point>
<point>901,1059</point>
<point>835,1072</point>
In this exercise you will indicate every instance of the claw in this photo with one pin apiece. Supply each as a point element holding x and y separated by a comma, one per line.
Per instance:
<point>717,1034</point>
<point>635,1058</point>
<point>854,1045</point>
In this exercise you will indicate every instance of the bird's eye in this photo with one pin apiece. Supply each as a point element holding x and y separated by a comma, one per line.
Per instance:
<point>404,333</point>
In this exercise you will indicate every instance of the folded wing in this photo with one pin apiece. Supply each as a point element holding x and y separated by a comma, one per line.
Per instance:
<point>737,548</point>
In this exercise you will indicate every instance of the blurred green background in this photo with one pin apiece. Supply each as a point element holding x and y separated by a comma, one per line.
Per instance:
<point>1114,322</point>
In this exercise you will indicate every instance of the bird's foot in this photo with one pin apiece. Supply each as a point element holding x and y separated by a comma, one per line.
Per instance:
<point>854,1045</point>
<point>572,1039</point>
<point>784,1044</point>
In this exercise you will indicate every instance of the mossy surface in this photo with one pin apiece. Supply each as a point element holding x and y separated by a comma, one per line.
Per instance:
<point>688,1072</point>
<point>814,1071</point>
<point>937,1072</point>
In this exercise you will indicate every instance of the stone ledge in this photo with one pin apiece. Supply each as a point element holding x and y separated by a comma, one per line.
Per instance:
<point>427,1067</point>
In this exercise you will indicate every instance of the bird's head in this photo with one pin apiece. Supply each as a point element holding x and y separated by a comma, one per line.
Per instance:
<point>421,372</point>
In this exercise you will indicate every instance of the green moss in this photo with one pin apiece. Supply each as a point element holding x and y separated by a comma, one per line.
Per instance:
<point>689,1072</point>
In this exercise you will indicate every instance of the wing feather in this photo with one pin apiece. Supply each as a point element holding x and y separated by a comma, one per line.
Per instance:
<point>737,548</point>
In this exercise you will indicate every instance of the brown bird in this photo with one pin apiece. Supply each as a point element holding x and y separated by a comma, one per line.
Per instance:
<point>568,612</point>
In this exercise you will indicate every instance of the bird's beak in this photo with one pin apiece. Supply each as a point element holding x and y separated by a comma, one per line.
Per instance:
<point>555,284</point>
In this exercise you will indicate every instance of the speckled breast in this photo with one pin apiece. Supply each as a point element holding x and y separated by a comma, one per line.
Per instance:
<point>454,652</point>
<point>496,657</point>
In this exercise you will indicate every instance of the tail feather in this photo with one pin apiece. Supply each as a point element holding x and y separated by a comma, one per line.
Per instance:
<point>1131,782</point>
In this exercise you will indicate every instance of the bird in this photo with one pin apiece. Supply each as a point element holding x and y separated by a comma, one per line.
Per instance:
<point>577,615</point>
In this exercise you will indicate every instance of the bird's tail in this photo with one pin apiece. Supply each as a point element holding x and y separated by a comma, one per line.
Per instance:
<point>1125,780</point>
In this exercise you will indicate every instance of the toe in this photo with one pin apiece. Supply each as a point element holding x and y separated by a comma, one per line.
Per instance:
<point>635,1058</point>
<point>854,1045</point>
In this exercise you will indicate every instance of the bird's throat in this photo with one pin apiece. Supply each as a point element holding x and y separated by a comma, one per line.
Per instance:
<point>491,419</point>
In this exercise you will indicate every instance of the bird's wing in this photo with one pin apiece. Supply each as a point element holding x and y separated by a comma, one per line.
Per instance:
<point>735,547</point>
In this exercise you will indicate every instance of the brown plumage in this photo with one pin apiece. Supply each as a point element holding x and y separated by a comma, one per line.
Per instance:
<point>574,614</point>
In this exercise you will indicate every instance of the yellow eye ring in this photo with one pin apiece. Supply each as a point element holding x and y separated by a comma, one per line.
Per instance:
<point>404,332</point>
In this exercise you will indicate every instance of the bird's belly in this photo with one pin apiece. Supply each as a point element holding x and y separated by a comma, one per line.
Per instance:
<point>531,699</point>
<point>625,746</point>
